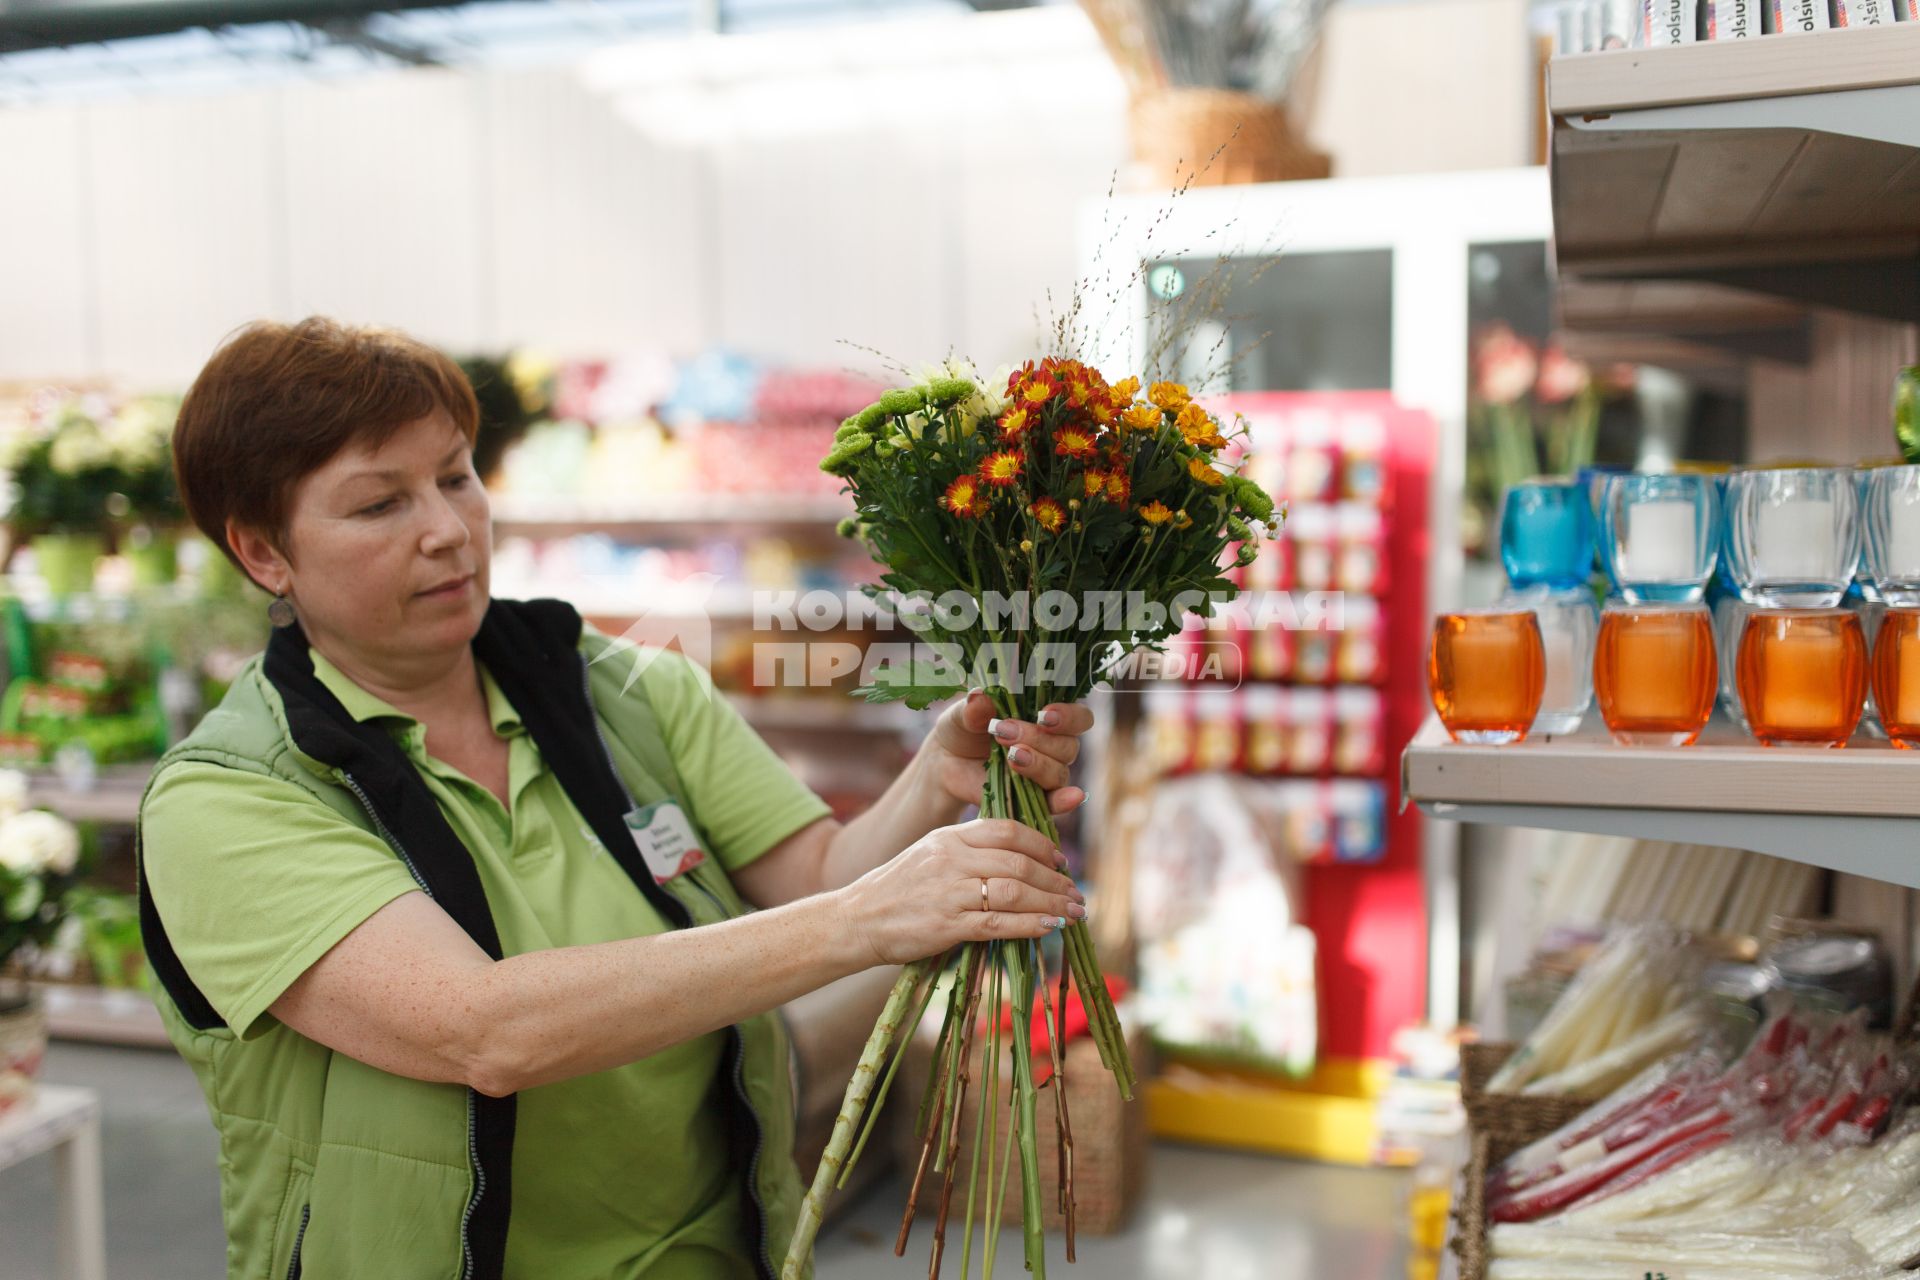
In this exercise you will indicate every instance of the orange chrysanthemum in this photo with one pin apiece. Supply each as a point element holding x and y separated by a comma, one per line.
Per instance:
<point>1036,391</point>
<point>1170,396</point>
<point>964,497</point>
<point>1095,481</point>
<point>1079,391</point>
<point>1141,417</point>
<point>1001,469</point>
<point>1156,513</point>
<point>1048,514</point>
<point>1197,427</point>
<point>1126,389</point>
<point>1101,410</point>
<point>1015,421</point>
<point>1119,488</point>
<point>1073,442</point>
<point>1200,469</point>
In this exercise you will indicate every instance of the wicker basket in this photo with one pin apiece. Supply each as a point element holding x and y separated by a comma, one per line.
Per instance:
<point>1508,1114</point>
<point>1176,131</point>
<point>1499,1125</point>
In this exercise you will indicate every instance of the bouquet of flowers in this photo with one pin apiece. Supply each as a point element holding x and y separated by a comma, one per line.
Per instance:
<point>39,862</point>
<point>1034,532</point>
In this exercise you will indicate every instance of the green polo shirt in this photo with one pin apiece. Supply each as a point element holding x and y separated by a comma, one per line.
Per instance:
<point>618,1174</point>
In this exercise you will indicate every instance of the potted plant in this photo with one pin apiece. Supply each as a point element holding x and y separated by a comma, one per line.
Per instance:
<point>141,437</point>
<point>64,476</point>
<point>39,867</point>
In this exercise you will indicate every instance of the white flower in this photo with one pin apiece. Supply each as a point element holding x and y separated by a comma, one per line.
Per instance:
<point>13,792</point>
<point>80,447</point>
<point>38,841</point>
<point>138,434</point>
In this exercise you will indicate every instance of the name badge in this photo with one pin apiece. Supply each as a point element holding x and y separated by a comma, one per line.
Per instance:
<point>665,839</point>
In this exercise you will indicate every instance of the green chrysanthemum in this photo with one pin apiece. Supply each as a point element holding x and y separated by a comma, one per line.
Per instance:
<point>849,527</point>
<point>1237,530</point>
<point>850,427</point>
<point>942,392</point>
<point>1248,553</point>
<point>901,402</point>
<point>868,418</point>
<point>1252,498</point>
<point>839,461</point>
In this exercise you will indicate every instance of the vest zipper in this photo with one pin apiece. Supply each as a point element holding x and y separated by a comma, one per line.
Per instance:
<point>299,1239</point>
<point>737,1043</point>
<point>473,1141</point>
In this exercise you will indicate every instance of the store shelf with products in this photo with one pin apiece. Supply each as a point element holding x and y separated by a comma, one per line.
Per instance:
<point>1788,166</point>
<point>666,514</point>
<point>1854,810</point>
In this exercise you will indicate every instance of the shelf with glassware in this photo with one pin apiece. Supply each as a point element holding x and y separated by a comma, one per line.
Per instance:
<point>1792,666</point>
<point>1784,165</point>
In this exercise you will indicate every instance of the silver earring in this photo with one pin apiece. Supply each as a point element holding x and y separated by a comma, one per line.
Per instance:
<point>280,612</point>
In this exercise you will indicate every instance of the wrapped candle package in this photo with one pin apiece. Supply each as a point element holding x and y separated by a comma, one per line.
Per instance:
<point>1635,1002</point>
<point>1792,1159</point>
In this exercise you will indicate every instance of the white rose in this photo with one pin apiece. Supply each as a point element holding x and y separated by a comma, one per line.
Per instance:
<point>13,792</point>
<point>38,841</point>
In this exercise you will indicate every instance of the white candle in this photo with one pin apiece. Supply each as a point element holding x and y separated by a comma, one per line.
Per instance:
<point>1793,542</point>
<point>1903,534</point>
<point>1660,541</point>
<point>1562,688</point>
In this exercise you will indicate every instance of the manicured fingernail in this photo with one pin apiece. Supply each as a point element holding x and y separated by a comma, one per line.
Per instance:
<point>1005,730</point>
<point>1056,922</point>
<point>1049,717</point>
<point>1059,860</point>
<point>1020,756</point>
<point>1077,910</point>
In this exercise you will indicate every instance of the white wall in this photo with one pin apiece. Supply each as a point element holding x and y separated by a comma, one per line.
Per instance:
<point>486,210</point>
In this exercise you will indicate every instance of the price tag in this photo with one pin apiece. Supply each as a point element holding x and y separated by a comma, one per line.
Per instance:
<point>665,839</point>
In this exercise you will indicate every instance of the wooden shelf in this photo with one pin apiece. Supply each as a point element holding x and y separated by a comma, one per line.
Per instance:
<point>103,1016</point>
<point>113,797</point>
<point>657,514</point>
<point>1785,165</point>
<point>1855,810</point>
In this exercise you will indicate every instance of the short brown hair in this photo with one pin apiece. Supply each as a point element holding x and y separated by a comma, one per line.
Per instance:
<point>277,401</point>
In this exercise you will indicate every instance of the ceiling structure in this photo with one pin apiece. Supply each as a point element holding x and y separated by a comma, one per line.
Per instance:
<point>79,50</point>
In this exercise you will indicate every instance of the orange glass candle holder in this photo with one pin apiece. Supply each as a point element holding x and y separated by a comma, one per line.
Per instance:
<point>1802,675</point>
<point>1895,676</point>
<point>1654,672</point>
<point>1487,671</point>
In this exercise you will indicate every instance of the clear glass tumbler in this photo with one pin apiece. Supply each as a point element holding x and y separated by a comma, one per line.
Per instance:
<point>1569,622</point>
<point>1892,521</point>
<point>1793,534</point>
<point>1660,535</point>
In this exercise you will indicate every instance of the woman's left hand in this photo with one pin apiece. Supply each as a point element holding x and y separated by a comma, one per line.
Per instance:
<point>968,730</point>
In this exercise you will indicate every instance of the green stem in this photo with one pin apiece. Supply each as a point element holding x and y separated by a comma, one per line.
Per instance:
<point>886,1083</point>
<point>859,1089</point>
<point>1026,1122</point>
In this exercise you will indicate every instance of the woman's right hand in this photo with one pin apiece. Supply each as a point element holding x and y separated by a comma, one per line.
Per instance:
<point>928,898</point>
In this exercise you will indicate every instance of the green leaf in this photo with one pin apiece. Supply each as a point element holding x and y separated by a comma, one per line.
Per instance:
<point>918,683</point>
<point>25,898</point>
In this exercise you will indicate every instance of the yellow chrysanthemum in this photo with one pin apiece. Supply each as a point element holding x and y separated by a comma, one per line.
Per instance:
<point>1126,389</point>
<point>1048,514</point>
<point>1156,513</point>
<point>1200,469</point>
<point>1015,421</point>
<point>1095,481</point>
<point>1001,469</point>
<point>1198,428</point>
<point>1142,417</point>
<point>1073,442</point>
<point>1170,396</point>
<point>964,497</point>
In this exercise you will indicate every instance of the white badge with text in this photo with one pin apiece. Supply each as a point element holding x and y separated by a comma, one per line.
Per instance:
<point>665,839</point>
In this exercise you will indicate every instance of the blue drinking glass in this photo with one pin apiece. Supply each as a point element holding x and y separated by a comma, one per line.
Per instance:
<point>1546,534</point>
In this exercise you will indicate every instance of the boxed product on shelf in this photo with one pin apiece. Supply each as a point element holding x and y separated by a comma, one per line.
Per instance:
<point>1733,19</point>
<point>1798,17</point>
<point>1266,730</point>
